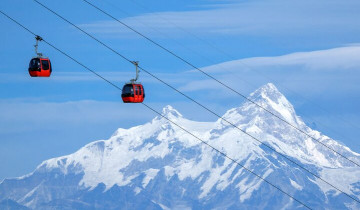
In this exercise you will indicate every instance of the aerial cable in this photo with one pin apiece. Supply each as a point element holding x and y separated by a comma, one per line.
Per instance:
<point>218,81</point>
<point>201,105</point>
<point>266,145</point>
<point>226,54</point>
<point>52,11</point>
<point>152,109</point>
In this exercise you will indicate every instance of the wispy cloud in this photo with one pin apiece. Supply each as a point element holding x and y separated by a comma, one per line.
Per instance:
<point>312,72</point>
<point>343,58</point>
<point>265,18</point>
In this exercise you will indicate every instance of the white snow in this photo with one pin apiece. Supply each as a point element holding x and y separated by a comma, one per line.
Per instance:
<point>340,177</point>
<point>246,187</point>
<point>318,156</point>
<point>113,161</point>
<point>295,184</point>
<point>30,194</point>
<point>150,174</point>
<point>137,190</point>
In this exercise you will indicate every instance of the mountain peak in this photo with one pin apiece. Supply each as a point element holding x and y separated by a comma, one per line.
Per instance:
<point>269,94</point>
<point>270,98</point>
<point>170,112</point>
<point>269,86</point>
<point>265,91</point>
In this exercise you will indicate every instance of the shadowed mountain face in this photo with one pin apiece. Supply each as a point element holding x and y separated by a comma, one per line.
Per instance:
<point>159,166</point>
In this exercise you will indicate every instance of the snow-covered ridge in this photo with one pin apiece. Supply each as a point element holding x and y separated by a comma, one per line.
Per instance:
<point>161,152</point>
<point>102,161</point>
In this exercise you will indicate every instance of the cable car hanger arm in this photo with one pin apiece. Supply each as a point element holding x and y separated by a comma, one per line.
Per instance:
<point>136,63</point>
<point>38,38</point>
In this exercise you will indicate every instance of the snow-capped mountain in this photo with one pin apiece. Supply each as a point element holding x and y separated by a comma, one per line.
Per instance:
<point>160,166</point>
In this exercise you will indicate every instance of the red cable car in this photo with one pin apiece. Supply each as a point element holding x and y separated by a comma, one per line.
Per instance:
<point>133,92</point>
<point>39,66</point>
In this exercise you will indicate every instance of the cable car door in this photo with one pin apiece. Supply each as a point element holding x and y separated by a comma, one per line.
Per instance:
<point>137,93</point>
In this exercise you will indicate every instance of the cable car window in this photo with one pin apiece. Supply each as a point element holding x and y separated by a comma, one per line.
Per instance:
<point>140,92</point>
<point>45,64</point>
<point>127,91</point>
<point>34,64</point>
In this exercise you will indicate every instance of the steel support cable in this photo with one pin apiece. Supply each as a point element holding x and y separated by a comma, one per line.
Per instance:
<point>218,81</point>
<point>152,109</point>
<point>174,40</point>
<point>222,52</point>
<point>201,105</point>
<point>182,29</point>
<point>214,47</point>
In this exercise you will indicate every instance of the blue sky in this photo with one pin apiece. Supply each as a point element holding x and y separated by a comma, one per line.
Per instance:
<point>308,49</point>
